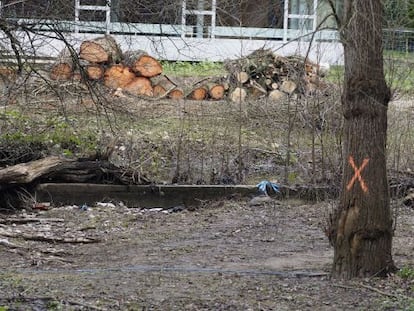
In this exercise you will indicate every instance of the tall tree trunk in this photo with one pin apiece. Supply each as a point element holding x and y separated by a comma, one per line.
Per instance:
<point>361,227</point>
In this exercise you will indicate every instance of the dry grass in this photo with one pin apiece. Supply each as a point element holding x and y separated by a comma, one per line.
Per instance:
<point>295,141</point>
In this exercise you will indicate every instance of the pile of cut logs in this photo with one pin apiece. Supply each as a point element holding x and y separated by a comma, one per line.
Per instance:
<point>266,74</point>
<point>260,74</point>
<point>134,72</point>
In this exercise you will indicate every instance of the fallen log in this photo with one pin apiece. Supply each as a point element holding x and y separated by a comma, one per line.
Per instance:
<point>25,173</point>
<point>57,169</point>
<point>17,181</point>
<point>63,67</point>
<point>142,64</point>
<point>101,50</point>
<point>118,76</point>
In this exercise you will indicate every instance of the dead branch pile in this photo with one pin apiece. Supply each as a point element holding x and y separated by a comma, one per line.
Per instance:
<point>266,74</point>
<point>133,72</point>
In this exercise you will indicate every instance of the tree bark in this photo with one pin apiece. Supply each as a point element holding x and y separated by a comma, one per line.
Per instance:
<point>361,226</point>
<point>27,172</point>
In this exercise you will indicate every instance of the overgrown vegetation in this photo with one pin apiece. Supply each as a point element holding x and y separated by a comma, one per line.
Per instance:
<point>296,141</point>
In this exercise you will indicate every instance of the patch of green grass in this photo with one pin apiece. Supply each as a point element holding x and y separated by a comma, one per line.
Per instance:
<point>399,73</point>
<point>389,54</point>
<point>190,69</point>
<point>406,273</point>
<point>18,128</point>
<point>54,305</point>
<point>335,74</point>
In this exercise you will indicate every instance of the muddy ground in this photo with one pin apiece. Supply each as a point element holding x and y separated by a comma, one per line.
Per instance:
<point>227,255</point>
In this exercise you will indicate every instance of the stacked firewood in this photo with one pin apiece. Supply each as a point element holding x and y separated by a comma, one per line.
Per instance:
<point>266,74</point>
<point>133,72</point>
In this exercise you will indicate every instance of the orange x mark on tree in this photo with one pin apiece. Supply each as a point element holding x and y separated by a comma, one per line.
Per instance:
<point>357,174</point>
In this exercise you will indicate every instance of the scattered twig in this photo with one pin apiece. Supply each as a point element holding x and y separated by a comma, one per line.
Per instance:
<point>43,238</point>
<point>258,87</point>
<point>382,292</point>
<point>21,221</point>
<point>9,244</point>
<point>170,80</point>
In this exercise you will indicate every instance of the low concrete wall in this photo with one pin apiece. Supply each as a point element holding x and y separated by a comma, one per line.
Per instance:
<point>164,196</point>
<point>138,196</point>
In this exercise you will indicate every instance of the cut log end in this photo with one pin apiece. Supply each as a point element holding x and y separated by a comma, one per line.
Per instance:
<point>142,64</point>
<point>176,94</point>
<point>148,66</point>
<point>100,50</point>
<point>159,90</point>
<point>242,77</point>
<point>288,87</point>
<point>118,76</point>
<point>93,52</point>
<point>61,72</point>
<point>238,95</point>
<point>276,95</point>
<point>94,72</point>
<point>199,93</point>
<point>216,91</point>
<point>140,86</point>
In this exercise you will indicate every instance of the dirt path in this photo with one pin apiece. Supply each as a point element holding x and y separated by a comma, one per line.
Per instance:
<point>224,256</point>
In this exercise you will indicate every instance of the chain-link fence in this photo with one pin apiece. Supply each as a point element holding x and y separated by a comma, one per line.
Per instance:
<point>401,40</point>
